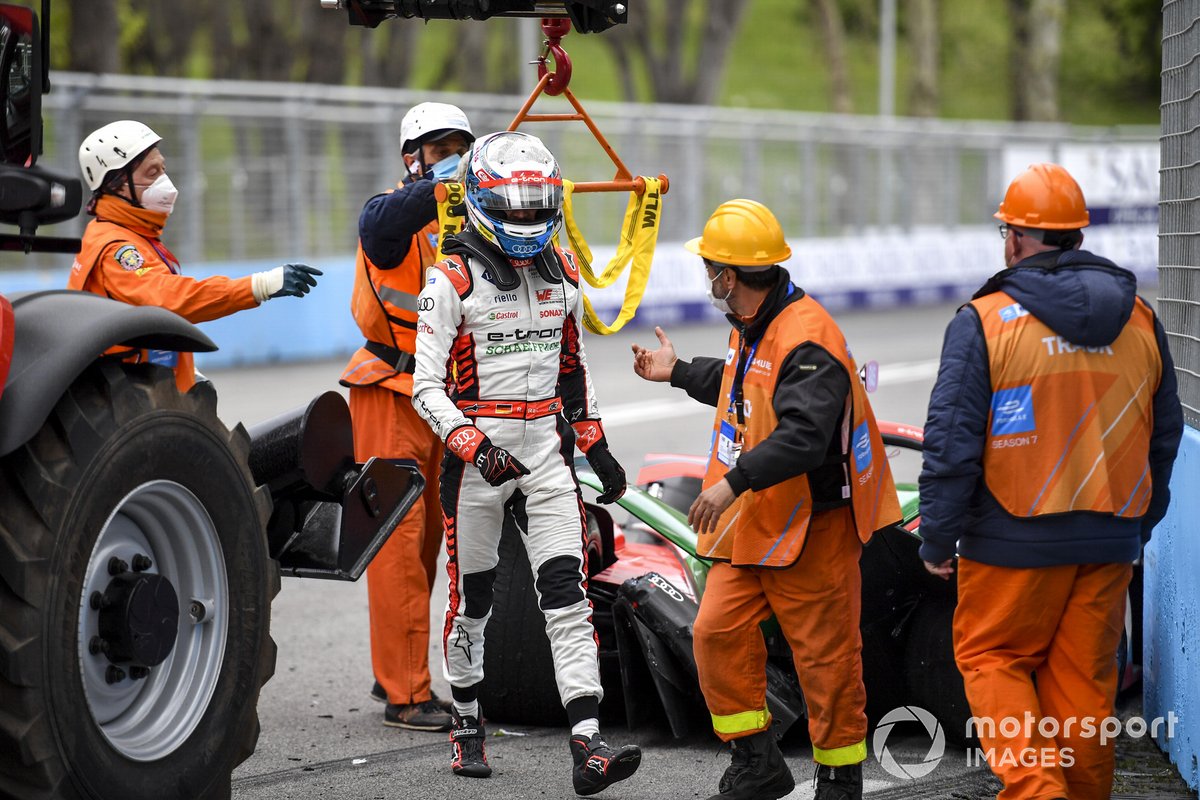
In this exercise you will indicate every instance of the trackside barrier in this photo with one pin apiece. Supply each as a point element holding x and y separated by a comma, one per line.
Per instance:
<point>865,272</point>
<point>1171,619</point>
<point>1171,631</point>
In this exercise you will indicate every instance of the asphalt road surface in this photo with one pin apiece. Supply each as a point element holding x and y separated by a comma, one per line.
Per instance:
<point>322,735</point>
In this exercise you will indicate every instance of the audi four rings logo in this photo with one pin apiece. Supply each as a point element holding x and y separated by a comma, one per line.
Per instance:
<point>425,304</point>
<point>461,440</point>
<point>665,587</point>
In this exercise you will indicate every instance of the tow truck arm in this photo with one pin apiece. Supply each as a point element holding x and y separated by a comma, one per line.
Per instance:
<point>588,16</point>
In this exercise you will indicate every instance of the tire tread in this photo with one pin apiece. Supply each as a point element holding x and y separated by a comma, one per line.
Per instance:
<point>36,483</point>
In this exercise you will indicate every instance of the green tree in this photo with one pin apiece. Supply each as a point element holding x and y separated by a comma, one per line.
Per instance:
<point>924,43</point>
<point>681,47</point>
<point>95,35</point>
<point>1035,50</point>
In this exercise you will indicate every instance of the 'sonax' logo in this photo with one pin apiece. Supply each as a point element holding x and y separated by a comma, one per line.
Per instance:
<point>937,745</point>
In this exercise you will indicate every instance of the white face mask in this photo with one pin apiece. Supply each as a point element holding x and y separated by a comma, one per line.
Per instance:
<point>160,195</point>
<point>719,303</point>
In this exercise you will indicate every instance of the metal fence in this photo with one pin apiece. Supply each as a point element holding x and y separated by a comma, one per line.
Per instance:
<point>277,170</point>
<point>1179,217</point>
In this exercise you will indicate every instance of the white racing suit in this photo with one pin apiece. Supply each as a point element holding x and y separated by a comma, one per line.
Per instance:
<point>512,364</point>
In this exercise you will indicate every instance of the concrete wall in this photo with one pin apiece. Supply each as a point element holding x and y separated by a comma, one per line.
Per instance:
<point>1171,667</point>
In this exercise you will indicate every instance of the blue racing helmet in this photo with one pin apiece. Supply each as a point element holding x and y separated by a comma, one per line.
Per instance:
<point>514,192</point>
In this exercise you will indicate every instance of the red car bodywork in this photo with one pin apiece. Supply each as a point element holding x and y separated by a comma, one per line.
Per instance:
<point>6,339</point>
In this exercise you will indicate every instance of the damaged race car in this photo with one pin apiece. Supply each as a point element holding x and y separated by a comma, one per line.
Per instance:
<point>646,583</point>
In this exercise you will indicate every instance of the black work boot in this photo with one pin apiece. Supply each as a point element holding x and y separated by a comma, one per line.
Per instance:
<point>758,771</point>
<point>839,783</point>
<point>598,766</point>
<point>466,738</point>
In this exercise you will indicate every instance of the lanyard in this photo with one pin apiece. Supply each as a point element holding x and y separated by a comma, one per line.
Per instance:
<point>736,401</point>
<point>166,255</point>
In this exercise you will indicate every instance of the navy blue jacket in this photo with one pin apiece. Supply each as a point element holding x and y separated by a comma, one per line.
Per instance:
<point>389,222</point>
<point>1087,300</point>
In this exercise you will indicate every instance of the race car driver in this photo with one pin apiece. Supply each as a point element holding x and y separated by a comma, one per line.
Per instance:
<point>123,256</point>
<point>502,379</point>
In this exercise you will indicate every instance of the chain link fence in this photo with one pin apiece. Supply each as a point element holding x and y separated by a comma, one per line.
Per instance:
<point>1179,217</point>
<point>274,170</point>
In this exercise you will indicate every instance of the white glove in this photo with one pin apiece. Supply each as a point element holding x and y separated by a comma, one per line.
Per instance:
<point>265,284</point>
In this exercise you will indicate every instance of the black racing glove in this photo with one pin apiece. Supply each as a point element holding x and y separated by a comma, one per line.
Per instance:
<point>589,438</point>
<point>298,280</point>
<point>495,464</point>
<point>611,474</point>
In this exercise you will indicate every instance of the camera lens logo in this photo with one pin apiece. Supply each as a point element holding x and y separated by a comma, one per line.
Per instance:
<point>888,761</point>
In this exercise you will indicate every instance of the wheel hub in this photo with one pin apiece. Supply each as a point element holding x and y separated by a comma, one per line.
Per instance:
<point>139,619</point>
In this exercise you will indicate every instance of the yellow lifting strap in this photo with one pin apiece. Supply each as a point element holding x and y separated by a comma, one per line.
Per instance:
<point>451,210</point>
<point>639,235</point>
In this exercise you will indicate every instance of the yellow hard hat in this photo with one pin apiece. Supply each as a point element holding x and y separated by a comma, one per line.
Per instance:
<point>743,233</point>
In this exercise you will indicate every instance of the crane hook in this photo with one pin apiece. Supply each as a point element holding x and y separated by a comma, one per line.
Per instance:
<point>555,29</point>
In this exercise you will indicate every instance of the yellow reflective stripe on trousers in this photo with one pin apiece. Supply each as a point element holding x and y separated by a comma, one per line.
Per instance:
<point>639,235</point>
<point>841,756</point>
<point>744,722</point>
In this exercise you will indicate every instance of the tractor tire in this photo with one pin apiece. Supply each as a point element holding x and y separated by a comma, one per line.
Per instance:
<point>932,676</point>
<point>519,684</point>
<point>135,592</point>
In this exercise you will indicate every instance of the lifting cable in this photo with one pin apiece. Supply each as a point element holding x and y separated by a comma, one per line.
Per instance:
<point>643,212</point>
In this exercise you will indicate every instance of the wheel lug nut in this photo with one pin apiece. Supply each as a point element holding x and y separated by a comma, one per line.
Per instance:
<point>141,563</point>
<point>97,646</point>
<point>114,674</point>
<point>138,672</point>
<point>96,601</point>
<point>116,566</point>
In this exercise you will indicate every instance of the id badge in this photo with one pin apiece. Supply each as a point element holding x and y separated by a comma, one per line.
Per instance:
<point>164,358</point>
<point>728,446</point>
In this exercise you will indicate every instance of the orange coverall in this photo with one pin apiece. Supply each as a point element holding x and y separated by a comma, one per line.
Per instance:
<point>384,304</point>
<point>123,257</point>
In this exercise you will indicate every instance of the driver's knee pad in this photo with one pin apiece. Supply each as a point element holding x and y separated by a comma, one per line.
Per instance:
<point>560,582</point>
<point>478,591</point>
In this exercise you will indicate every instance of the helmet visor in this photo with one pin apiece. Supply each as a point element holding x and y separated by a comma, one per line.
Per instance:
<point>521,191</point>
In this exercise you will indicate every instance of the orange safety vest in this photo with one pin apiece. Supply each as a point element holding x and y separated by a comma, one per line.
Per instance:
<point>101,236</point>
<point>1069,428</point>
<point>768,528</point>
<point>384,305</point>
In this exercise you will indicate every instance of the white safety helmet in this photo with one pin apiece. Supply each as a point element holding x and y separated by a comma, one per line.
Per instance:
<point>428,122</point>
<point>113,147</point>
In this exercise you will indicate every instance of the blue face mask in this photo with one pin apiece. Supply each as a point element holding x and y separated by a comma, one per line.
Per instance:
<point>444,170</point>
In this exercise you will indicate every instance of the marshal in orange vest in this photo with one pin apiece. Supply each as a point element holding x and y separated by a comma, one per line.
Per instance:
<point>122,257</point>
<point>1069,428</point>
<point>384,305</point>
<point>768,528</point>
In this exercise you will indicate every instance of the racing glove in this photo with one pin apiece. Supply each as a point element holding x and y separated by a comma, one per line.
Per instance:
<point>495,464</point>
<point>589,438</point>
<point>294,280</point>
